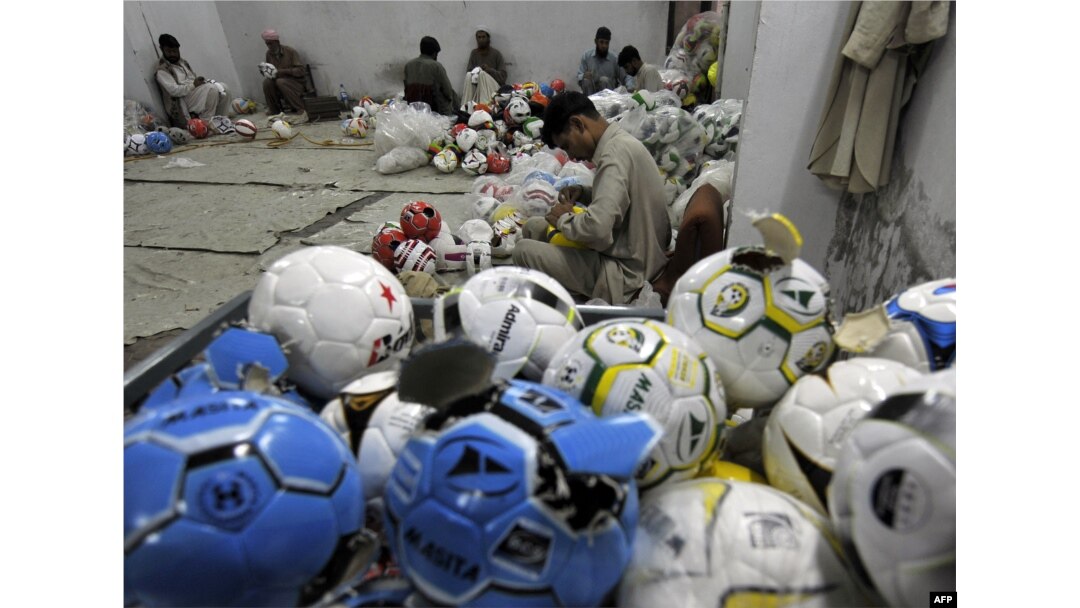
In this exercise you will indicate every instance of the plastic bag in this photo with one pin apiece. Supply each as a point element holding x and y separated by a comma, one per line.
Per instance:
<point>717,174</point>
<point>138,119</point>
<point>495,187</point>
<point>401,159</point>
<point>721,122</point>
<point>699,43</point>
<point>408,125</point>
<point>611,103</point>
<point>180,161</point>
<point>671,135</point>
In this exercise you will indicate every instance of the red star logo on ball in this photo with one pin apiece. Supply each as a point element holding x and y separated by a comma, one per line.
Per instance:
<point>389,295</point>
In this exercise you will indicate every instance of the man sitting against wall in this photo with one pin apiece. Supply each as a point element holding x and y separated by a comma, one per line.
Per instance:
<point>184,93</point>
<point>289,84</point>
<point>426,81</point>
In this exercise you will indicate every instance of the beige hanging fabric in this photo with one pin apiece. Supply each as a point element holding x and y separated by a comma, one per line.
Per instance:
<point>886,46</point>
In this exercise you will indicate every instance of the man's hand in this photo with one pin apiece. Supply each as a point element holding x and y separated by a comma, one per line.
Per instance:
<point>588,75</point>
<point>199,81</point>
<point>570,194</point>
<point>557,211</point>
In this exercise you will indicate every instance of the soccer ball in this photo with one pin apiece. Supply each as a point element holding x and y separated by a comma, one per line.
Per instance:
<point>357,127</point>
<point>179,136</point>
<point>339,313</point>
<point>763,322</point>
<point>513,507</point>
<point>477,235</point>
<point>243,106</point>
<point>376,424</point>
<point>498,162</point>
<point>359,112</point>
<point>246,128</point>
<point>474,162</point>
<point>521,316</point>
<point>533,127</point>
<point>537,198</point>
<point>420,220</point>
<point>268,70</point>
<point>385,243</point>
<point>158,143</point>
<point>483,207</point>
<point>807,427</point>
<point>222,124</point>
<point>558,85</point>
<point>713,542</point>
<point>922,327</point>
<point>198,128</point>
<point>135,145</point>
<point>416,255</point>
<point>893,494</point>
<point>629,365</point>
<point>235,498</point>
<point>446,160</point>
<point>465,139</point>
<point>480,119</point>
<point>517,110</point>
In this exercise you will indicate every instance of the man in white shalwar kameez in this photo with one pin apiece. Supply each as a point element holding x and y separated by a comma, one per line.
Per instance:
<point>185,93</point>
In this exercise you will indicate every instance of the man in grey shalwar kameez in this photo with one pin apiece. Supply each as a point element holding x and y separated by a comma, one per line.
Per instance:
<point>625,226</point>
<point>183,92</point>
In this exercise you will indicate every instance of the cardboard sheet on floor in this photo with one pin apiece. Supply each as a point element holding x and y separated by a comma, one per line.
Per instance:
<point>236,219</point>
<point>166,289</point>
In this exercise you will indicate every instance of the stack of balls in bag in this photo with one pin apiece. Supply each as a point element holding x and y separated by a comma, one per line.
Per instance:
<point>528,456</point>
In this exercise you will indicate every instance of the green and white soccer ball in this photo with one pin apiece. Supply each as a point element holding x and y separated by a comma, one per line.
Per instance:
<point>764,323</point>
<point>712,542</point>
<point>893,494</point>
<point>627,365</point>
<point>807,427</point>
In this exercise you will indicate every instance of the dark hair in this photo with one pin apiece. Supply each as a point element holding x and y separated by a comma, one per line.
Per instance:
<point>429,46</point>
<point>603,33</point>
<point>559,111</point>
<point>168,40</point>
<point>627,54</point>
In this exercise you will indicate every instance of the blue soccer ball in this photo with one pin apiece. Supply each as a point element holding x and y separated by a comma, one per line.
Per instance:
<point>158,142</point>
<point>531,501</point>
<point>922,327</point>
<point>236,498</point>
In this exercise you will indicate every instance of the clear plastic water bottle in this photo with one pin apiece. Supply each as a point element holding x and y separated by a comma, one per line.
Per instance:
<point>344,95</point>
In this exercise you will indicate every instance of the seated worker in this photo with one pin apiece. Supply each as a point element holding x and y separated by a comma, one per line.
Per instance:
<point>184,93</point>
<point>291,78</point>
<point>482,84</point>
<point>646,76</point>
<point>624,228</point>
<point>426,81</point>
<point>598,69</point>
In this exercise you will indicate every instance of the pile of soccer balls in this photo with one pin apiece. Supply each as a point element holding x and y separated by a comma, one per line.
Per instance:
<point>528,457</point>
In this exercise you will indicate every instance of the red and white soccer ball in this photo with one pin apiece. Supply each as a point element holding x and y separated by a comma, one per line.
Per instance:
<point>415,255</point>
<point>357,127</point>
<point>339,313</point>
<point>420,220</point>
<point>246,128</point>
<point>198,128</point>
<point>385,242</point>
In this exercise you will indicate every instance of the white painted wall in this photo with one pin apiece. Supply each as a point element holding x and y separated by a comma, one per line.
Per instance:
<point>796,47</point>
<point>365,45</point>
<point>739,54</point>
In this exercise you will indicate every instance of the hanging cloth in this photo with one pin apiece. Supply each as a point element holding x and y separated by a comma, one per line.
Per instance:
<point>886,47</point>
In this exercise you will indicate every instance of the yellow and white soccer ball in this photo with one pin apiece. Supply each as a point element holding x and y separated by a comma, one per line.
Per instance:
<point>340,315</point>
<point>376,424</point>
<point>282,129</point>
<point>521,316</point>
<point>445,161</point>
<point>764,323</point>
<point>892,498</point>
<point>719,543</point>
<point>636,364</point>
<point>806,429</point>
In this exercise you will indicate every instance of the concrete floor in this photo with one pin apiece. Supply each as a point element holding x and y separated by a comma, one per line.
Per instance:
<point>195,237</point>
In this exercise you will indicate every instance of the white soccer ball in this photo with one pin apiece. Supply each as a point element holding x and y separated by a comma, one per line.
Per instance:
<point>713,542</point>
<point>357,127</point>
<point>282,129</point>
<point>135,145</point>
<point>893,495</point>
<point>477,235</point>
<point>222,124</point>
<point>922,327</point>
<point>449,250</point>
<point>268,70</point>
<point>339,314</point>
<point>808,426</point>
<point>359,112</point>
<point>376,424</point>
<point>628,365</point>
<point>415,255</point>
<point>521,316</point>
<point>474,162</point>
<point>483,207</point>
<point>764,323</point>
<point>445,161</point>
<point>466,139</point>
<point>517,110</point>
